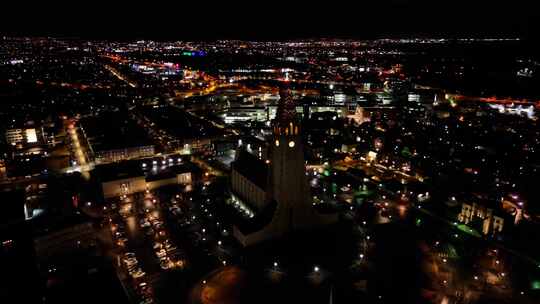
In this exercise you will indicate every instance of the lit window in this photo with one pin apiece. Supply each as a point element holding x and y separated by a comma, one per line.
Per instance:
<point>291,144</point>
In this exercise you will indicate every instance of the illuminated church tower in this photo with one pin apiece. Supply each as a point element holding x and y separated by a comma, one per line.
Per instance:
<point>288,186</point>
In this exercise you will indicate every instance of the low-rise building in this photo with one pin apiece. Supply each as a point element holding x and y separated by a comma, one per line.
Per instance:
<point>25,137</point>
<point>137,176</point>
<point>491,224</point>
<point>113,137</point>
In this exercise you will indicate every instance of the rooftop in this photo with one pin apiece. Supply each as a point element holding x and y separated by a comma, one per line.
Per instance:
<point>114,130</point>
<point>171,171</point>
<point>254,169</point>
<point>116,171</point>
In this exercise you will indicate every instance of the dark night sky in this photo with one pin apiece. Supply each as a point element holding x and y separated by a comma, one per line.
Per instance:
<point>280,19</point>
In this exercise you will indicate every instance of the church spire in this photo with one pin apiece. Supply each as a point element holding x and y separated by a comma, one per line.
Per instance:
<point>286,110</point>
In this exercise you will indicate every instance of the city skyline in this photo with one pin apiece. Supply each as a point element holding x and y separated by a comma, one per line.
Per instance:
<point>236,153</point>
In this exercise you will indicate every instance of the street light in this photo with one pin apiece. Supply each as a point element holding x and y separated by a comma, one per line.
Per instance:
<point>316,269</point>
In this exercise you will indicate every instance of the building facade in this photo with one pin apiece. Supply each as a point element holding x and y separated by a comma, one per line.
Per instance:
<point>116,155</point>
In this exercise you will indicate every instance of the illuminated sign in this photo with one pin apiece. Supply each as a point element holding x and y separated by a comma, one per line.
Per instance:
<point>31,136</point>
<point>194,53</point>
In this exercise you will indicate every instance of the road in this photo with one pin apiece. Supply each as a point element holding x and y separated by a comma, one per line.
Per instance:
<point>82,165</point>
<point>120,76</point>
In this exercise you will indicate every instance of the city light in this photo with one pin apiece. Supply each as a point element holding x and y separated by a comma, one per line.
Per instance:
<point>142,161</point>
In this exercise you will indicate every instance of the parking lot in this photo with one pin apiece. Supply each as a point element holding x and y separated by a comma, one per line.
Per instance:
<point>167,233</point>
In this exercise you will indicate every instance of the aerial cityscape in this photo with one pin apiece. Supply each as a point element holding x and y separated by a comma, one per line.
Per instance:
<point>397,169</point>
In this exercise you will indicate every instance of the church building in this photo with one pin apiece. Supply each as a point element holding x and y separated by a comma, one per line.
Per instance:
<point>277,191</point>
